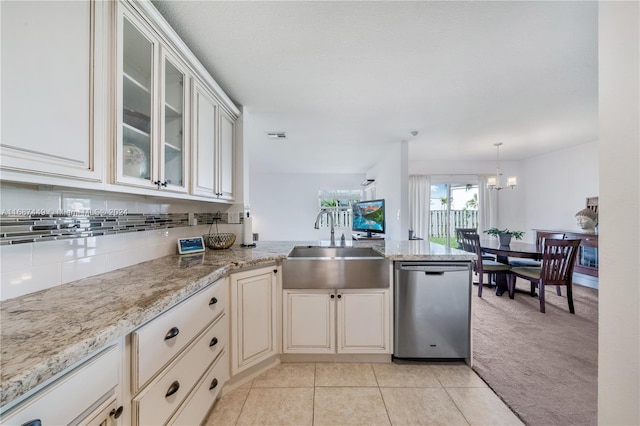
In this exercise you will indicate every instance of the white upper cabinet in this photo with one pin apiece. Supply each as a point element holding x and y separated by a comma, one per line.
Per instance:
<point>53,92</point>
<point>173,125</point>
<point>98,95</point>
<point>213,146</point>
<point>205,119</point>
<point>227,158</point>
<point>150,149</point>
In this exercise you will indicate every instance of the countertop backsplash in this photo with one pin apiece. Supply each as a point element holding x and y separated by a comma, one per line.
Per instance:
<point>48,238</point>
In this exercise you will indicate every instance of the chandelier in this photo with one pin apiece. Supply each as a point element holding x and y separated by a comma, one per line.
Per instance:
<point>493,182</point>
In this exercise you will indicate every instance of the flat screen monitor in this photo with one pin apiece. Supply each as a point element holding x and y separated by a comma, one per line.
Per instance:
<point>368,216</point>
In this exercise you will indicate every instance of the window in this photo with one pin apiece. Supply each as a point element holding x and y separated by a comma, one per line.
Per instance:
<point>338,202</point>
<point>452,205</point>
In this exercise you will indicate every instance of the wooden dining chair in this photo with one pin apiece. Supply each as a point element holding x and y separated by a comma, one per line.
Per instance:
<point>558,260</point>
<point>460,232</point>
<point>481,266</point>
<point>540,237</point>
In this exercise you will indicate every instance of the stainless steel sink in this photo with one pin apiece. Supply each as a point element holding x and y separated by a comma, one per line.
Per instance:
<point>334,252</point>
<point>309,267</point>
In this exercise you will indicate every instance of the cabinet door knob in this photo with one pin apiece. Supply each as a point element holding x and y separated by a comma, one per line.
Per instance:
<point>172,333</point>
<point>275,271</point>
<point>339,296</point>
<point>173,389</point>
<point>116,412</point>
<point>332,296</point>
<point>213,301</point>
<point>34,422</point>
<point>213,342</point>
<point>214,383</point>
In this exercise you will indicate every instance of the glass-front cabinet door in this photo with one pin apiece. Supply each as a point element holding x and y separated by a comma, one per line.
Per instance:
<point>151,120</point>
<point>135,147</point>
<point>173,123</point>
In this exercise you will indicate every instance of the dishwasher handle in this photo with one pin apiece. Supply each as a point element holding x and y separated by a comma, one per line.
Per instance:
<point>432,269</point>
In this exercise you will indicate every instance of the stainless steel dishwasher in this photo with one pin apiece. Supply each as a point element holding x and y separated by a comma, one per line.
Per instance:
<point>432,310</point>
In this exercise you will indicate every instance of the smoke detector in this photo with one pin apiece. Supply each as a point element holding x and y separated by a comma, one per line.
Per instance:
<point>277,135</point>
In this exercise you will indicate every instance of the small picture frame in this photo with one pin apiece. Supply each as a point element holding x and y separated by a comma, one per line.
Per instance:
<point>190,245</point>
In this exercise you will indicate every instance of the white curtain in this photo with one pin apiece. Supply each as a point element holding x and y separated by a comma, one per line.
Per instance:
<point>419,193</point>
<point>488,200</point>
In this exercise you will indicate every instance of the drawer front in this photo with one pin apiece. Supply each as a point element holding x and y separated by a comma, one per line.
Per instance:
<point>196,407</point>
<point>161,398</point>
<point>72,394</point>
<point>153,345</point>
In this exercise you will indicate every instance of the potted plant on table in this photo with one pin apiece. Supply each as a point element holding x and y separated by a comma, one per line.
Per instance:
<point>504,235</point>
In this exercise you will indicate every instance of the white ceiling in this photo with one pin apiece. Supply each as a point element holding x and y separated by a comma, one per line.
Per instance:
<point>345,79</point>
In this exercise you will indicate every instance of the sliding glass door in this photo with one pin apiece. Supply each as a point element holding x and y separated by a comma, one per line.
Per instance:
<point>453,204</point>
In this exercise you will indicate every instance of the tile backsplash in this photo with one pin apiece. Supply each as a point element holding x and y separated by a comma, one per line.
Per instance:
<point>48,238</point>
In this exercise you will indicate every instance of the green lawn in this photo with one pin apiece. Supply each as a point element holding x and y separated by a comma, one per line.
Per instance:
<point>443,241</point>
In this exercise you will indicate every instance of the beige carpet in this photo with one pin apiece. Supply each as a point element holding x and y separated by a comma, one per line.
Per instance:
<point>544,366</point>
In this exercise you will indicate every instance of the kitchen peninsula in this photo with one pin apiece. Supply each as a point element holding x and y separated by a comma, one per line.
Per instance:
<point>48,332</point>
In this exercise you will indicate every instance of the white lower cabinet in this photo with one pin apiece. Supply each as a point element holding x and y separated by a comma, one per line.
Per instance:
<point>204,395</point>
<point>184,347</point>
<point>254,318</point>
<point>104,414</point>
<point>336,321</point>
<point>88,394</point>
<point>309,321</point>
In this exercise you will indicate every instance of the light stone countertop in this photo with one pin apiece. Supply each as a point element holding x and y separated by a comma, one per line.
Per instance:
<point>45,332</point>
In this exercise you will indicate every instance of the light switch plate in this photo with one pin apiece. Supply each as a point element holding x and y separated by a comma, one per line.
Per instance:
<point>234,217</point>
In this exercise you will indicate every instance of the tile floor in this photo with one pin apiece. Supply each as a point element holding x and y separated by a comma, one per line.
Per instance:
<point>399,393</point>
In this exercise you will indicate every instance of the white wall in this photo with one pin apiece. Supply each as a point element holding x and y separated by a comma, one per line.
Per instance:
<point>556,185</point>
<point>284,206</point>
<point>392,184</point>
<point>619,296</point>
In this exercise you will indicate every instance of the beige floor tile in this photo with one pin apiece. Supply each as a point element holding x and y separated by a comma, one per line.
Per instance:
<point>247,385</point>
<point>288,375</point>
<point>345,374</point>
<point>349,406</point>
<point>278,406</point>
<point>457,375</point>
<point>421,406</point>
<point>480,406</point>
<point>227,409</point>
<point>392,375</point>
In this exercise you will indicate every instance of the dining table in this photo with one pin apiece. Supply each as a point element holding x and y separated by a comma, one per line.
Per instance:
<point>504,252</point>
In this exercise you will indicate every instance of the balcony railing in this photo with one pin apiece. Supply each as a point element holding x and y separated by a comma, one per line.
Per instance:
<point>458,219</point>
<point>341,217</point>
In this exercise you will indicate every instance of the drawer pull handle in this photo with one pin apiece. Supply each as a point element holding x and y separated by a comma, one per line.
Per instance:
<point>213,384</point>
<point>213,342</point>
<point>172,333</point>
<point>173,389</point>
<point>35,422</point>
<point>213,301</point>
<point>116,412</point>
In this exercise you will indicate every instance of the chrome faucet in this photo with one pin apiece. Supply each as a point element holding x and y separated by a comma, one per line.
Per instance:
<point>317,225</point>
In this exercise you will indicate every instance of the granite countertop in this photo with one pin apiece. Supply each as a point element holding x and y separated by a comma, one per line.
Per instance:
<point>44,333</point>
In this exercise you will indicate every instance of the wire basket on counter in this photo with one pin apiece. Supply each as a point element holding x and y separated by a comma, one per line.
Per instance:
<point>218,240</point>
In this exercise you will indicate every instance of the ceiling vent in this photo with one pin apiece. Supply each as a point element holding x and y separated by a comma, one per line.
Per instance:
<point>277,135</point>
